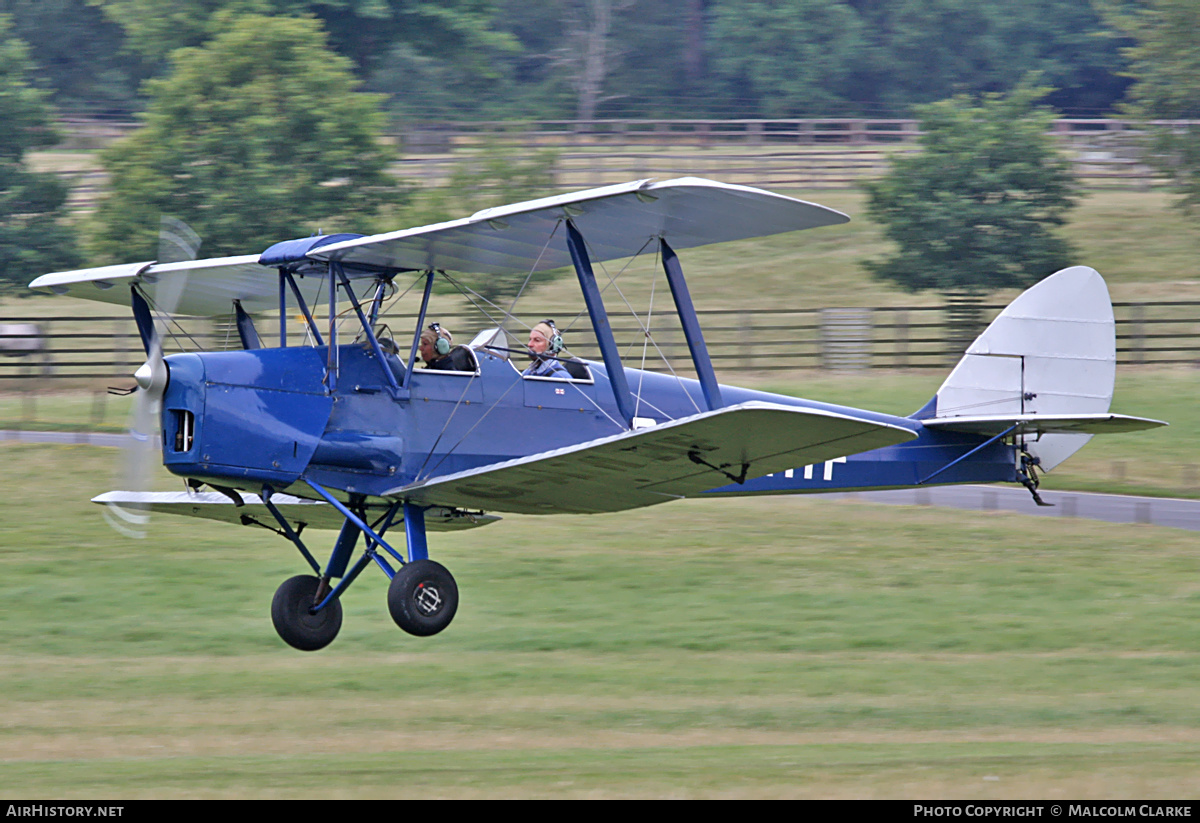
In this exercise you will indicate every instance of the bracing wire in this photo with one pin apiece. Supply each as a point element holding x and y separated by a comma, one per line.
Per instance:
<point>445,426</point>
<point>469,293</point>
<point>644,328</point>
<point>467,433</point>
<point>167,322</point>
<point>533,268</point>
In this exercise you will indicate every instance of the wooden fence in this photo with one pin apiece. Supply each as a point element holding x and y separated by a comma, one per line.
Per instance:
<point>801,153</point>
<point>94,351</point>
<point>793,153</point>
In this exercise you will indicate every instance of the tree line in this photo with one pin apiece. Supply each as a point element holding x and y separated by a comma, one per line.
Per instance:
<point>566,59</point>
<point>262,119</point>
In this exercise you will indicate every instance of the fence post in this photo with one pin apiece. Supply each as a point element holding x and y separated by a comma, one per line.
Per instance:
<point>964,322</point>
<point>858,132</point>
<point>901,333</point>
<point>747,351</point>
<point>805,134</point>
<point>846,339</point>
<point>754,132</point>
<point>99,406</point>
<point>1137,332</point>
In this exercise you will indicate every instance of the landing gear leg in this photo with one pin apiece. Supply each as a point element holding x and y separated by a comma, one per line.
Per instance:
<point>422,595</point>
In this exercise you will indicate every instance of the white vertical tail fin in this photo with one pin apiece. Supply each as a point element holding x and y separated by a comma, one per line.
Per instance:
<point>1051,352</point>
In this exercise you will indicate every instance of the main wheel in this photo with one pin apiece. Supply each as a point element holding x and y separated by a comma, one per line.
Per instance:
<point>292,614</point>
<point>423,598</point>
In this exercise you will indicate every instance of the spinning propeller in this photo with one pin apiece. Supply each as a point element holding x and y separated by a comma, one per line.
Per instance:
<point>177,243</point>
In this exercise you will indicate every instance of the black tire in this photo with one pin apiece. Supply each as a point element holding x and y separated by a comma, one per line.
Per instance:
<point>291,612</point>
<point>423,598</point>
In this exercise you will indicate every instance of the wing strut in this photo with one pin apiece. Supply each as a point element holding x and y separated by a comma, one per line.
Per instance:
<point>368,330</point>
<point>691,327</point>
<point>143,318</point>
<point>604,335</point>
<point>416,343</point>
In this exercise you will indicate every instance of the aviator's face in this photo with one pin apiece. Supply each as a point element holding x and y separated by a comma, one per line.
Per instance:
<point>537,342</point>
<point>426,349</point>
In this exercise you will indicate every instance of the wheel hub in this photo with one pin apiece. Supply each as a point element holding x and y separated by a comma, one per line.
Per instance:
<point>429,601</point>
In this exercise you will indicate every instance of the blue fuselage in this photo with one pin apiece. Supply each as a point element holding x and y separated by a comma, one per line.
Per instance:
<point>245,419</point>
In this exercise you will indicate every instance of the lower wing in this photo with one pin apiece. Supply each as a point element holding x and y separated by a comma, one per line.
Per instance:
<point>654,465</point>
<point>312,513</point>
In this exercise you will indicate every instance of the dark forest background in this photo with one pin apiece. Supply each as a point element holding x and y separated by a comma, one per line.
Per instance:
<point>582,59</point>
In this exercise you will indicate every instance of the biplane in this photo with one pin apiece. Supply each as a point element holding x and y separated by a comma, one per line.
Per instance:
<point>334,427</point>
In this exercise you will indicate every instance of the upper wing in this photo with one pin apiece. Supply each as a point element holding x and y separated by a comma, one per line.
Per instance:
<point>616,221</point>
<point>1039,424</point>
<point>669,461</point>
<point>198,287</point>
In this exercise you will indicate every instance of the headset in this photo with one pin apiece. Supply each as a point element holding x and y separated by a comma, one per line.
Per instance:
<point>441,341</point>
<point>556,341</point>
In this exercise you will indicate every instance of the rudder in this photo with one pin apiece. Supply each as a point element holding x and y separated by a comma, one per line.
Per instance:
<point>1051,351</point>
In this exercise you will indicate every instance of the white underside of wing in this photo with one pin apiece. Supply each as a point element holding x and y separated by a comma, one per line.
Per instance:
<point>616,222</point>
<point>666,462</point>
<point>316,514</point>
<point>199,287</point>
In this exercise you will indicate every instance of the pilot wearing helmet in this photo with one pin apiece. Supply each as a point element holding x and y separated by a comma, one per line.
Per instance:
<point>544,345</point>
<point>436,344</point>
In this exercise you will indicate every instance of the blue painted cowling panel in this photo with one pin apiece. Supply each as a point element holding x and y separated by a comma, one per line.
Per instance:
<point>258,415</point>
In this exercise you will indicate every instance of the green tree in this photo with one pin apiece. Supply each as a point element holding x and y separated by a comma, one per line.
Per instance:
<point>926,50</point>
<point>822,57</point>
<point>255,137</point>
<point>446,54</point>
<point>155,28</point>
<point>33,238</point>
<point>1165,64</point>
<point>78,53</point>
<point>795,57</point>
<point>583,59</point>
<point>974,210</point>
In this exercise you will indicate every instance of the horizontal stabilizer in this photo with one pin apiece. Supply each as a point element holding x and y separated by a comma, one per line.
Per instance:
<point>316,514</point>
<point>666,462</point>
<point>1039,424</point>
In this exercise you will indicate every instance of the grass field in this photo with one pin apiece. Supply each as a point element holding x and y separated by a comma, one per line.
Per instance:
<point>761,648</point>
